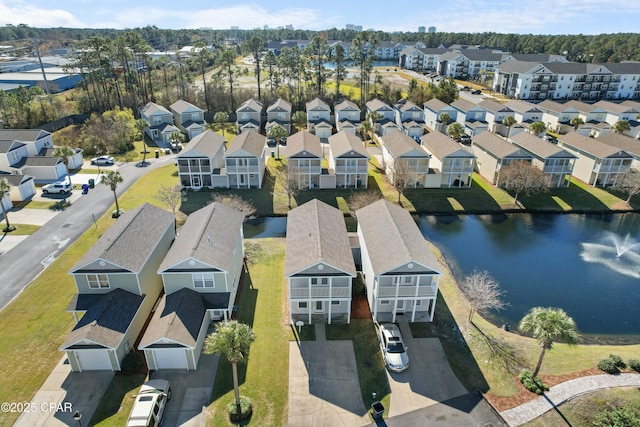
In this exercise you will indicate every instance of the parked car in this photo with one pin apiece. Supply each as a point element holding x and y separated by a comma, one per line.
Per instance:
<point>150,404</point>
<point>476,92</point>
<point>57,188</point>
<point>464,139</point>
<point>102,161</point>
<point>392,346</point>
<point>283,141</point>
<point>271,142</point>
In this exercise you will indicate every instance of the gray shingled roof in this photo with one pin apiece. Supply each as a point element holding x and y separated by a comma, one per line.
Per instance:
<point>317,103</point>
<point>208,143</point>
<point>539,147</point>
<point>279,105</point>
<point>344,104</point>
<point>590,145</point>
<point>180,106</point>
<point>521,106</point>
<point>614,107</point>
<point>463,105</point>
<point>392,238</point>
<point>250,104</point>
<point>494,106</point>
<point>107,320</point>
<point>345,142</point>
<point>16,180</point>
<point>303,141</point>
<point>400,144</point>
<point>130,241</point>
<point>376,104</point>
<point>623,142</point>
<point>435,104</point>
<point>316,233</point>
<point>152,108</point>
<point>209,235</point>
<point>441,146</point>
<point>178,317</point>
<point>251,142</point>
<point>492,143</point>
<point>27,135</point>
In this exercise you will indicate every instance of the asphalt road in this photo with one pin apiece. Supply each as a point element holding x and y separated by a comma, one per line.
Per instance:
<point>22,264</point>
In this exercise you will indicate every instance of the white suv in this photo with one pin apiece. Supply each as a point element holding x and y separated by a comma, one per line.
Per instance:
<point>57,188</point>
<point>150,404</point>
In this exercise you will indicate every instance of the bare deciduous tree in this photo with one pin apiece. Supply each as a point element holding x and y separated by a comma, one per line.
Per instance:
<point>398,176</point>
<point>288,181</point>
<point>522,177</point>
<point>236,202</point>
<point>482,292</point>
<point>629,184</point>
<point>170,196</point>
<point>360,199</point>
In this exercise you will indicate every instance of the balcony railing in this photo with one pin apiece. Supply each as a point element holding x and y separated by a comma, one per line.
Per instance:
<point>320,292</point>
<point>407,291</point>
<point>351,169</point>
<point>243,169</point>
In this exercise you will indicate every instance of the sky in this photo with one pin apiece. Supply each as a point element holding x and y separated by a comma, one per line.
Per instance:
<point>473,16</point>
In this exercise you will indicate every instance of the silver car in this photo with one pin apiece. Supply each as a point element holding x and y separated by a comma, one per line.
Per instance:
<point>392,346</point>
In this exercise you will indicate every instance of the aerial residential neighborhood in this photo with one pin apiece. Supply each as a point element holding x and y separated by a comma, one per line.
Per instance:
<point>277,227</point>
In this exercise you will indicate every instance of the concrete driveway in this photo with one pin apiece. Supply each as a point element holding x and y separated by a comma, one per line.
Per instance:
<point>324,389</point>
<point>429,379</point>
<point>190,393</point>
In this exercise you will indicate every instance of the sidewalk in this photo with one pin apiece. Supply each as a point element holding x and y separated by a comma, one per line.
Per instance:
<point>562,392</point>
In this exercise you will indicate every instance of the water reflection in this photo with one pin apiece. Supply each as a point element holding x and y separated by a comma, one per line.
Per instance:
<point>265,227</point>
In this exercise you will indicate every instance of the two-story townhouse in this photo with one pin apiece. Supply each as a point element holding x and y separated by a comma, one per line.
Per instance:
<point>244,160</point>
<point>471,116</point>
<point>319,118</point>
<point>188,118</point>
<point>618,112</point>
<point>496,112</point>
<point>199,163</point>
<point>400,270</point>
<point>347,116</point>
<point>22,187</point>
<point>557,163</point>
<point>409,118</point>
<point>349,160</point>
<point>384,122</point>
<point>556,116</point>
<point>200,273</point>
<point>249,116</point>
<point>493,153</point>
<point>453,162</point>
<point>405,160</point>
<point>28,152</point>
<point>525,113</point>
<point>319,265</point>
<point>118,286</point>
<point>160,121</point>
<point>304,159</point>
<point>35,140</point>
<point>589,113</point>
<point>598,164</point>
<point>278,113</point>
<point>623,142</point>
<point>433,114</point>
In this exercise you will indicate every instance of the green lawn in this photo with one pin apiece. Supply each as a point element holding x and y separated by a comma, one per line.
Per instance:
<point>116,404</point>
<point>21,229</point>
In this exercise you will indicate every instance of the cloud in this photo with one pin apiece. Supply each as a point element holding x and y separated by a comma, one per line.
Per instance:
<point>33,16</point>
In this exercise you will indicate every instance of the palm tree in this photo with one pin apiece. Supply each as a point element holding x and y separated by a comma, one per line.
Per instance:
<point>141,125</point>
<point>111,179</point>
<point>365,128</point>
<point>4,190</point>
<point>64,153</point>
<point>233,340</point>
<point>299,119</point>
<point>455,129</point>
<point>576,122</point>
<point>277,132</point>
<point>445,118</point>
<point>621,126</point>
<point>546,325</point>
<point>220,118</point>
<point>537,128</point>
<point>509,121</point>
<point>177,138</point>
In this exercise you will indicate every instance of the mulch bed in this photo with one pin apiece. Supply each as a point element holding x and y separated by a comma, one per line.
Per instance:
<point>524,395</point>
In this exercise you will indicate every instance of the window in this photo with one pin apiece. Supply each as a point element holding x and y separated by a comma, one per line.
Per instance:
<point>98,281</point>
<point>384,302</point>
<point>302,304</point>
<point>335,302</point>
<point>203,280</point>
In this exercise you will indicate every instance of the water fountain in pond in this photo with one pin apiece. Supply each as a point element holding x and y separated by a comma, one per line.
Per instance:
<point>615,252</point>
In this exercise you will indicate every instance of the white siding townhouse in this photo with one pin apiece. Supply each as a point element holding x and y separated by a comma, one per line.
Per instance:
<point>349,160</point>
<point>201,273</point>
<point>244,160</point>
<point>385,122</point>
<point>400,270</point>
<point>433,111</point>
<point>199,163</point>
<point>496,112</point>
<point>319,265</point>
<point>160,121</point>
<point>347,116</point>
<point>471,116</point>
<point>28,152</point>
<point>118,286</point>
<point>249,116</point>
<point>304,159</point>
<point>319,118</point>
<point>598,164</point>
<point>557,164</point>
<point>453,162</point>
<point>188,118</point>
<point>278,113</point>
<point>409,118</point>
<point>405,158</point>
<point>623,142</point>
<point>557,117</point>
<point>493,153</point>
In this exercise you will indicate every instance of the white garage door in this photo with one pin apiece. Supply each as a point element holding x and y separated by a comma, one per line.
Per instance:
<point>170,358</point>
<point>93,359</point>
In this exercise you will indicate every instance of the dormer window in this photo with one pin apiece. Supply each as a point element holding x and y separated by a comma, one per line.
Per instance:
<point>98,281</point>
<point>203,280</point>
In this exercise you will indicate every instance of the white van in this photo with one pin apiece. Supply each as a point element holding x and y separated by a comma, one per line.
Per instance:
<point>150,404</point>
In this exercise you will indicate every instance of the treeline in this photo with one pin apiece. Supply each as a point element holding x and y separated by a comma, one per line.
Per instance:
<point>579,48</point>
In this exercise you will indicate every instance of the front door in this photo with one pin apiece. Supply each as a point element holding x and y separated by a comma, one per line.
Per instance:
<point>318,307</point>
<point>195,181</point>
<point>400,306</point>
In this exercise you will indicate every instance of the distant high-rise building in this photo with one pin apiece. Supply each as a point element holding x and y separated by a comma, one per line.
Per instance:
<point>422,29</point>
<point>235,27</point>
<point>432,29</point>
<point>288,27</point>
<point>353,27</point>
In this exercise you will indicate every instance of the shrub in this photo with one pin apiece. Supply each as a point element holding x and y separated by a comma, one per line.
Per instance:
<point>626,416</point>
<point>634,364</point>
<point>612,364</point>
<point>116,213</point>
<point>246,409</point>
<point>531,383</point>
<point>133,362</point>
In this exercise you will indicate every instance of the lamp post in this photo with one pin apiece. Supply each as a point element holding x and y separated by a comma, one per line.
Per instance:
<point>78,416</point>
